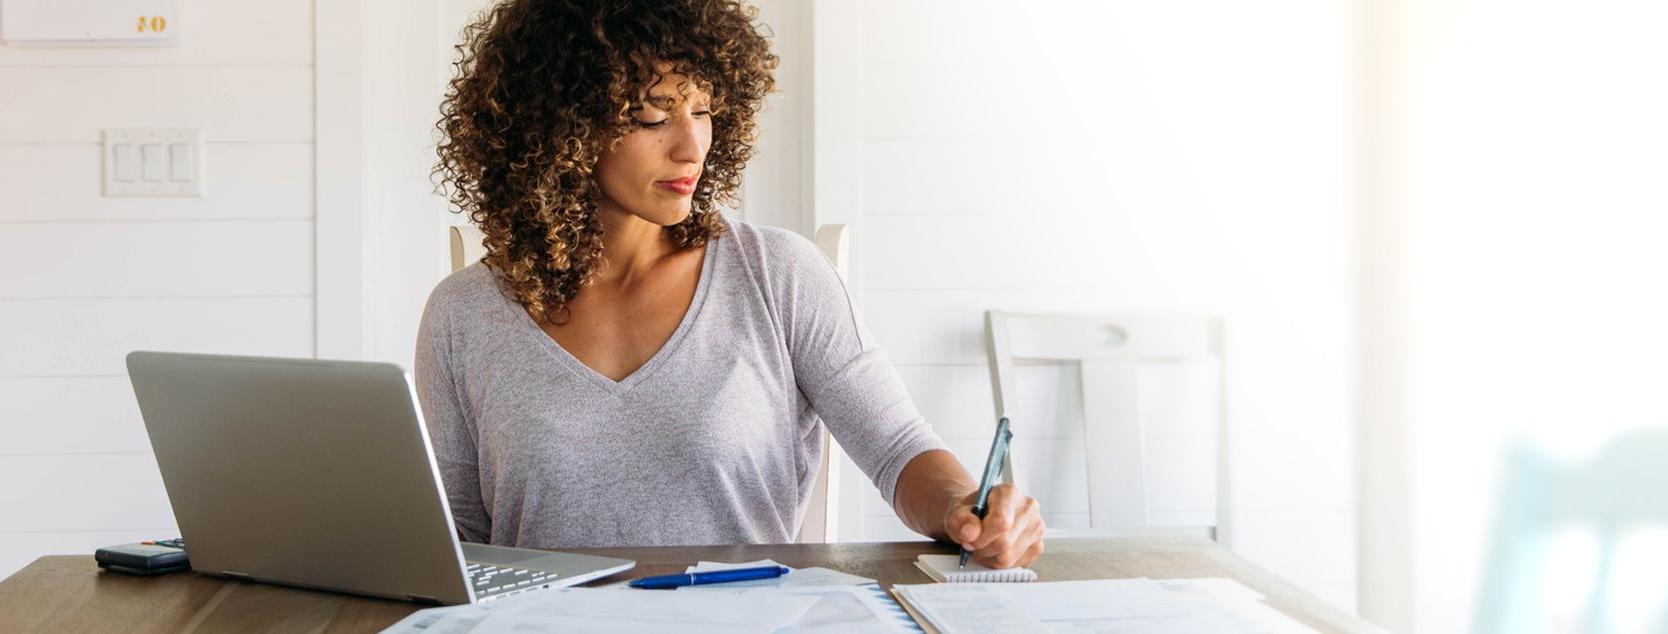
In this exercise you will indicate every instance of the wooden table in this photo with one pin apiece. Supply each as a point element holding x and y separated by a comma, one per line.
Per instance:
<point>70,593</point>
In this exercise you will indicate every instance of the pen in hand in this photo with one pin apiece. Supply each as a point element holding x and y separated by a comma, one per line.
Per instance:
<point>993,468</point>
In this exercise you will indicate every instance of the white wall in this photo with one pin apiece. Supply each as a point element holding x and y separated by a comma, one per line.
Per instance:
<point>776,188</point>
<point>1527,160</point>
<point>404,246</point>
<point>87,279</point>
<point>1111,156</point>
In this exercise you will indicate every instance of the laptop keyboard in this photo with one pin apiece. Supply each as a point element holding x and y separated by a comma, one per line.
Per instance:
<point>495,580</point>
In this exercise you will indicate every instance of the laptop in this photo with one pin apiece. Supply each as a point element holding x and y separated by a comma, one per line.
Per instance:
<point>319,474</point>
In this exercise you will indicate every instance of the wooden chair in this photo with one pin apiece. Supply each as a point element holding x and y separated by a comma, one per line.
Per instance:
<point>1619,491</point>
<point>831,240</point>
<point>466,246</point>
<point>820,516</point>
<point>1121,472</point>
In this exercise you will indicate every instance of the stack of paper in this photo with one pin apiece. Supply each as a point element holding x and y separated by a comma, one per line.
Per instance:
<point>846,603</point>
<point>1106,605</point>
<point>613,610</point>
<point>1242,602</point>
<point>805,600</point>
<point>799,578</point>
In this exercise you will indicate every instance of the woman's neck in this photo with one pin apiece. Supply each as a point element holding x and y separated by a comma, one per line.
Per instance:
<point>632,247</point>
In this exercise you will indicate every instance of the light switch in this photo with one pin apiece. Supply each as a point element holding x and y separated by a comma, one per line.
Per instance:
<point>154,162</point>
<point>127,163</point>
<point>179,163</point>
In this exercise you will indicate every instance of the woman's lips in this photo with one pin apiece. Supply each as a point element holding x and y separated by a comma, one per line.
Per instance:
<point>685,186</point>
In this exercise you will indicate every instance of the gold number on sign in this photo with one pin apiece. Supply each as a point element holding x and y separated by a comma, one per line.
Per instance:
<point>155,23</point>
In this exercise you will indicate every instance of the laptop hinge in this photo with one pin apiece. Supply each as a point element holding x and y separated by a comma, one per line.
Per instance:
<point>423,598</point>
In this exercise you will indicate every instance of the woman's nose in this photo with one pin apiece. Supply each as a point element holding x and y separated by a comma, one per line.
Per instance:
<point>689,146</point>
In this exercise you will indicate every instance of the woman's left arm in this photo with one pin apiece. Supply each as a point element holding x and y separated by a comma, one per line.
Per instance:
<point>859,396</point>
<point>935,498</point>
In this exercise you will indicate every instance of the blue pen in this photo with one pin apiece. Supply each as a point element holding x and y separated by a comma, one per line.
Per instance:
<point>716,576</point>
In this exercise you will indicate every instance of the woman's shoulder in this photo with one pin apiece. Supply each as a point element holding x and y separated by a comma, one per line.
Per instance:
<point>465,291</point>
<point>774,247</point>
<point>787,268</point>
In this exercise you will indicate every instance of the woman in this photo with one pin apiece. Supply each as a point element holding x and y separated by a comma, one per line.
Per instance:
<point>626,367</point>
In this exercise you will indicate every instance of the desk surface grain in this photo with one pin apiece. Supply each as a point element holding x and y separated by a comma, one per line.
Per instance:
<point>70,593</point>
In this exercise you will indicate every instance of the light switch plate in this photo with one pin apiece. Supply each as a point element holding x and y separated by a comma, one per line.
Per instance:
<point>154,162</point>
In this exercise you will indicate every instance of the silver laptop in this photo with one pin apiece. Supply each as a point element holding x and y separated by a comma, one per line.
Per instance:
<point>319,474</point>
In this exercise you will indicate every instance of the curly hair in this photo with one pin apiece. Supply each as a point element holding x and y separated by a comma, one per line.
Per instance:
<point>541,86</point>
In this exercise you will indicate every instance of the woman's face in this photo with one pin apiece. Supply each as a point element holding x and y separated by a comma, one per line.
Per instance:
<point>669,144</point>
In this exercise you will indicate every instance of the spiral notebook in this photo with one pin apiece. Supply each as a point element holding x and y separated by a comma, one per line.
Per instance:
<point>946,569</point>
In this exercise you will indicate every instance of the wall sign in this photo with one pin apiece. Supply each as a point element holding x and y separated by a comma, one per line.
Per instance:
<point>89,22</point>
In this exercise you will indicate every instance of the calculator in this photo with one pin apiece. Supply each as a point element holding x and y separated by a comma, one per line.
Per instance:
<point>153,557</point>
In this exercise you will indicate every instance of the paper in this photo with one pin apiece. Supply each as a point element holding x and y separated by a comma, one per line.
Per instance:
<point>1218,587</point>
<point>813,600</point>
<point>1242,602</point>
<point>846,602</point>
<point>613,610</point>
<point>855,609</point>
<point>802,577</point>
<point>970,608</point>
<point>1098,599</point>
<point>844,609</point>
<point>709,566</point>
<point>947,568</point>
<point>1106,605</point>
<point>457,619</point>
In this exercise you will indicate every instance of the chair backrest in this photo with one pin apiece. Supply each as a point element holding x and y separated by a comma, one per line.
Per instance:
<point>466,246</point>
<point>820,516</point>
<point>1616,493</point>
<point>1143,477</point>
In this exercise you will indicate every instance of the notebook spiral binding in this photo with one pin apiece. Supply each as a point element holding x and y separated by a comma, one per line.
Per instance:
<point>989,576</point>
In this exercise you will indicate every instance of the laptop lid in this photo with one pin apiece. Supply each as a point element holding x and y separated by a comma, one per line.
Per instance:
<point>302,472</point>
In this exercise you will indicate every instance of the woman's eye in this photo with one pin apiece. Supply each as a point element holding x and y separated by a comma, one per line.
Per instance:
<point>656,124</point>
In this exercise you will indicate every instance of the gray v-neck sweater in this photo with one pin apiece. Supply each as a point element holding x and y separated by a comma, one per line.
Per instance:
<point>717,439</point>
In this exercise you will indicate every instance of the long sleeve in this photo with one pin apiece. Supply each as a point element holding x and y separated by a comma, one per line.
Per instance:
<point>451,431</point>
<point>848,380</point>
